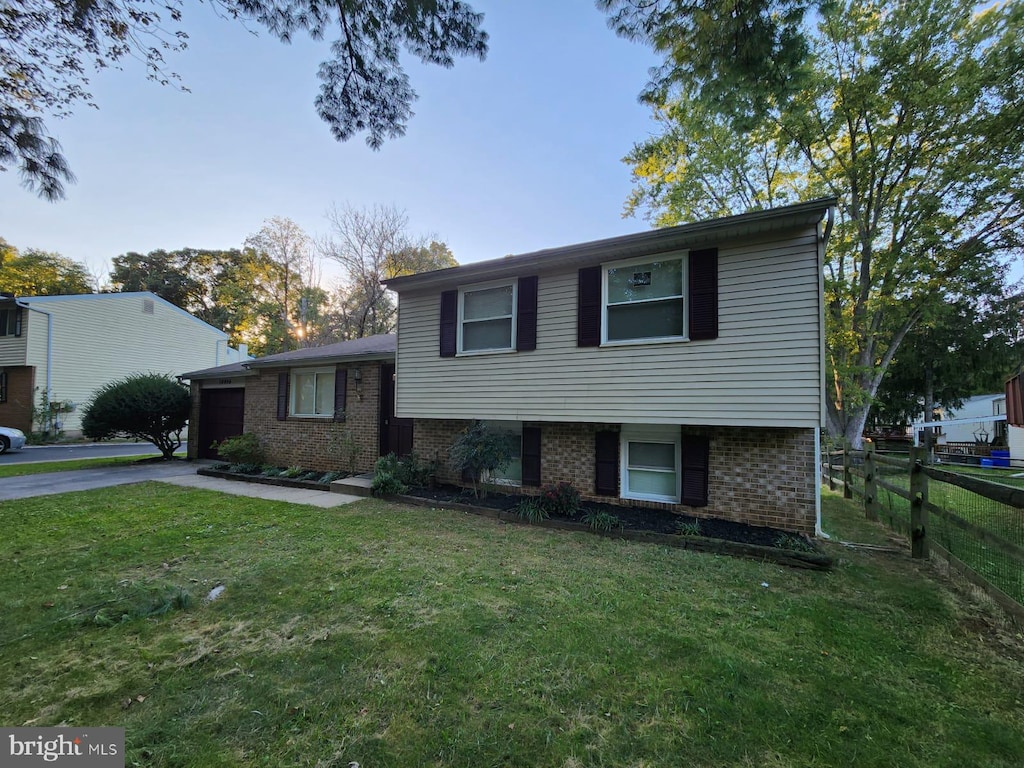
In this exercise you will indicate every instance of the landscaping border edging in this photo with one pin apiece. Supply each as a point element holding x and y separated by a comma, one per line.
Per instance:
<point>286,482</point>
<point>793,558</point>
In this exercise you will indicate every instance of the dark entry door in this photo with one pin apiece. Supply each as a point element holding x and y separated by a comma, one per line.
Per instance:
<point>395,433</point>
<point>221,415</point>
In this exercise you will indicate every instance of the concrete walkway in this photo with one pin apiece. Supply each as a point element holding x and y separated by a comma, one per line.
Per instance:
<point>176,473</point>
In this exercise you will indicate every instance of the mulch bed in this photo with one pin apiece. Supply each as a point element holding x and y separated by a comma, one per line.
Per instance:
<point>641,524</point>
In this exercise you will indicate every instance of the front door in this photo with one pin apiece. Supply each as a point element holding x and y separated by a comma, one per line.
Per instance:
<point>221,415</point>
<point>395,433</point>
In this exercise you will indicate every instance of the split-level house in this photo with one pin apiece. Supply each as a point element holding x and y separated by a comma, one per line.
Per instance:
<point>680,368</point>
<point>64,348</point>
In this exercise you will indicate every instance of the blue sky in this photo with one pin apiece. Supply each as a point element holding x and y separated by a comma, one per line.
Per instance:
<point>519,152</point>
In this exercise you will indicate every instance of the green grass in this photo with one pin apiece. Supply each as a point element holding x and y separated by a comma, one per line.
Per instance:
<point>394,636</point>
<point>40,467</point>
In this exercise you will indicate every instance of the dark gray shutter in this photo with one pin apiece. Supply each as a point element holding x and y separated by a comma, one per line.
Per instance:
<point>282,396</point>
<point>526,314</point>
<point>588,310</point>
<point>449,321</point>
<point>17,321</point>
<point>531,456</point>
<point>606,470</point>
<point>340,392</point>
<point>696,450</point>
<point>703,294</point>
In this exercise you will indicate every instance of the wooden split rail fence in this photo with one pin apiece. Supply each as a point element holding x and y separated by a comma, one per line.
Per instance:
<point>975,524</point>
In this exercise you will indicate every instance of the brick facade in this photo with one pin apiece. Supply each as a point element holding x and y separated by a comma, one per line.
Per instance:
<point>17,410</point>
<point>763,477</point>
<point>307,442</point>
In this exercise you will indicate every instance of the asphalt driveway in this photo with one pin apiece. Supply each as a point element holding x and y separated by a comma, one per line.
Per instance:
<point>174,472</point>
<point>50,483</point>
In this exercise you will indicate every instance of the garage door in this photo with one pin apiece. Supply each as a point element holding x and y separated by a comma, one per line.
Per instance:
<point>221,415</point>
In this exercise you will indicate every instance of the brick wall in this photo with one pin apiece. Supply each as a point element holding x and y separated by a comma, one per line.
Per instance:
<point>17,411</point>
<point>308,442</point>
<point>761,477</point>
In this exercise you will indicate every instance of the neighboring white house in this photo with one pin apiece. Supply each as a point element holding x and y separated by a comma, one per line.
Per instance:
<point>970,422</point>
<point>680,368</point>
<point>69,346</point>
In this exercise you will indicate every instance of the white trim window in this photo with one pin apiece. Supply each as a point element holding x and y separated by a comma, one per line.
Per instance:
<point>651,458</point>
<point>312,393</point>
<point>643,300</point>
<point>487,318</point>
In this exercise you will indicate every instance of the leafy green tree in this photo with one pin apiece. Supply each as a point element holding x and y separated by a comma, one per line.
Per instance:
<point>48,46</point>
<point>480,450</point>
<point>174,276</point>
<point>910,114</point>
<point>38,273</point>
<point>292,270</point>
<point>145,406</point>
<point>963,348</point>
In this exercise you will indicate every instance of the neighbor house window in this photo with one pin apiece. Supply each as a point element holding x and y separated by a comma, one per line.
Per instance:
<point>512,474</point>
<point>3,386</point>
<point>651,459</point>
<point>313,392</point>
<point>643,299</point>
<point>487,318</point>
<point>8,322</point>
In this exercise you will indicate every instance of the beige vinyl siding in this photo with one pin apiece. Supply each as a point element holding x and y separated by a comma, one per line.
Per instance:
<point>762,370</point>
<point>101,338</point>
<point>12,349</point>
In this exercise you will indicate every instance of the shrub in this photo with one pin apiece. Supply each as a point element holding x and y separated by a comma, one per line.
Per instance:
<point>344,449</point>
<point>145,406</point>
<point>246,469</point>
<point>241,449</point>
<point>561,499</point>
<point>293,472</point>
<point>531,509</point>
<point>415,472</point>
<point>480,450</point>
<point>330,477</point>
<point>688,527</point>
<point>387,477</point>
<point>601,521</point>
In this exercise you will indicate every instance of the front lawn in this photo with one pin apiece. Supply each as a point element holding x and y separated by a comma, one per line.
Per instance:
<point>396,636</point>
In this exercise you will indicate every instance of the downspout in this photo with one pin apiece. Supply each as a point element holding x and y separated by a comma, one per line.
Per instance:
<point>49,344</point>
<point>829,223</point>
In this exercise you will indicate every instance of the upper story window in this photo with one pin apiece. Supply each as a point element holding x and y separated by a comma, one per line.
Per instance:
<point>9,325</point>
<point>487,318</point>
<point>312,392</point>
<point>644,300</point>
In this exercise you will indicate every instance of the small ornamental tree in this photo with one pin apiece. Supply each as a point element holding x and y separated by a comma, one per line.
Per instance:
<point>479,451</point>
<point>145,406</point>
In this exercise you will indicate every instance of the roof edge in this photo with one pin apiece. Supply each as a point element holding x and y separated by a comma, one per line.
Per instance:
<point>664,239</point>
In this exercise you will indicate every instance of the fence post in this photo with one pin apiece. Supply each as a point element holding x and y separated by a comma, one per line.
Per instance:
<point>870,483</point>
<point>830,457</point>
<point>847,477</point>
<point>918,497</point>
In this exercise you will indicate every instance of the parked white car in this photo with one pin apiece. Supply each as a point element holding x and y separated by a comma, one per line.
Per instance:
<point>11,439</point>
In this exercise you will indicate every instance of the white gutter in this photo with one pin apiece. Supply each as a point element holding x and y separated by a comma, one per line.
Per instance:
<point>49,344</point>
